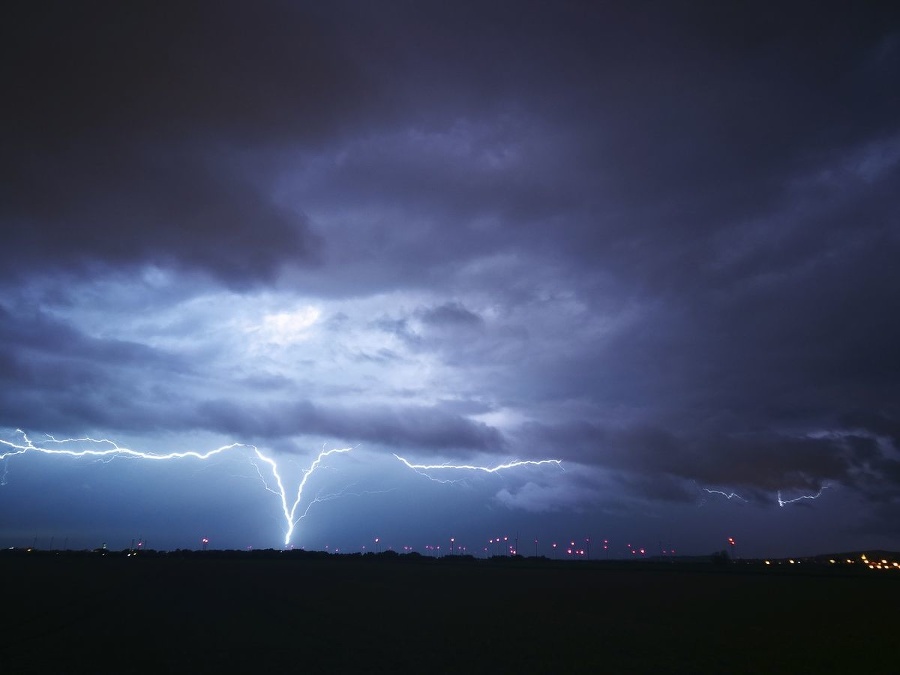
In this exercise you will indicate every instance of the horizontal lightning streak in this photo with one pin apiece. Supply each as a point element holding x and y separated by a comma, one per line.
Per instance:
<point>727,495</point>
<point>783,502</point>
<point>112,450</point>
<point>423,468</point>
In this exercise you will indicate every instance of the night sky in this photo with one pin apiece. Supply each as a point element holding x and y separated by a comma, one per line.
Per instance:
<point>656,241</point>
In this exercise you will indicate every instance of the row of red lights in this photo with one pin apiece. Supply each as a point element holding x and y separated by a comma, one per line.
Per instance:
<point>570,550</point>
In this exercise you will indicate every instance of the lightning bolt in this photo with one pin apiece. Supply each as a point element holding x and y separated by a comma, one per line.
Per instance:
<point>319,498</point>
<point>110,450</point>
<point>727,495</point>
<point>422,469</point>
<point>290,512</point>
<point>782,502</point>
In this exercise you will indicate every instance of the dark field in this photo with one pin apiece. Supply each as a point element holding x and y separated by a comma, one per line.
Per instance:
<point>92,613</point>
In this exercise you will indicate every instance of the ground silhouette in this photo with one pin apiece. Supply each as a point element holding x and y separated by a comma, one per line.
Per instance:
<point>317,613</point>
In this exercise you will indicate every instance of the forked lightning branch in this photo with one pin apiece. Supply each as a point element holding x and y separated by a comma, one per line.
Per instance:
<point>265,465</point>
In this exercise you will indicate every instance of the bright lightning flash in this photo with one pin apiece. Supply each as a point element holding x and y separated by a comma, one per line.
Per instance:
<point>109,450</point>
<point>422,469</point>
<point>727,495</point>
<point>782,502</point>
<point>290,512</point>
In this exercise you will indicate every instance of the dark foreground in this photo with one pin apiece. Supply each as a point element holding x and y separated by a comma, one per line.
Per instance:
<point>202,614</point>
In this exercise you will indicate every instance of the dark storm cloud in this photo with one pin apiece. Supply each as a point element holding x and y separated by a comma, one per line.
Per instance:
<point>663,465</point>
<point>452,314</point>
<point>661,148</point>
<point>124,128</point>
<point>411,426</point>
<point>173,212</point>
<point>437,330</point>
<point>875,421</point>
<point>55,377</point>
<point>128,135</point>
<point>657,241</point>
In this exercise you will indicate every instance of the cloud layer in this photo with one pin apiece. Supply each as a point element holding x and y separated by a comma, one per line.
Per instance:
<point>657,243</point>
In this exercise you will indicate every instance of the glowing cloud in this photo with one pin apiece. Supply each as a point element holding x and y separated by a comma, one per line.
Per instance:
<point>285,328</point>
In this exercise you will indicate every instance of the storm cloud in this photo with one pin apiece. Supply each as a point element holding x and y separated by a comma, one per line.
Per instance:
<point>657,242</point>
